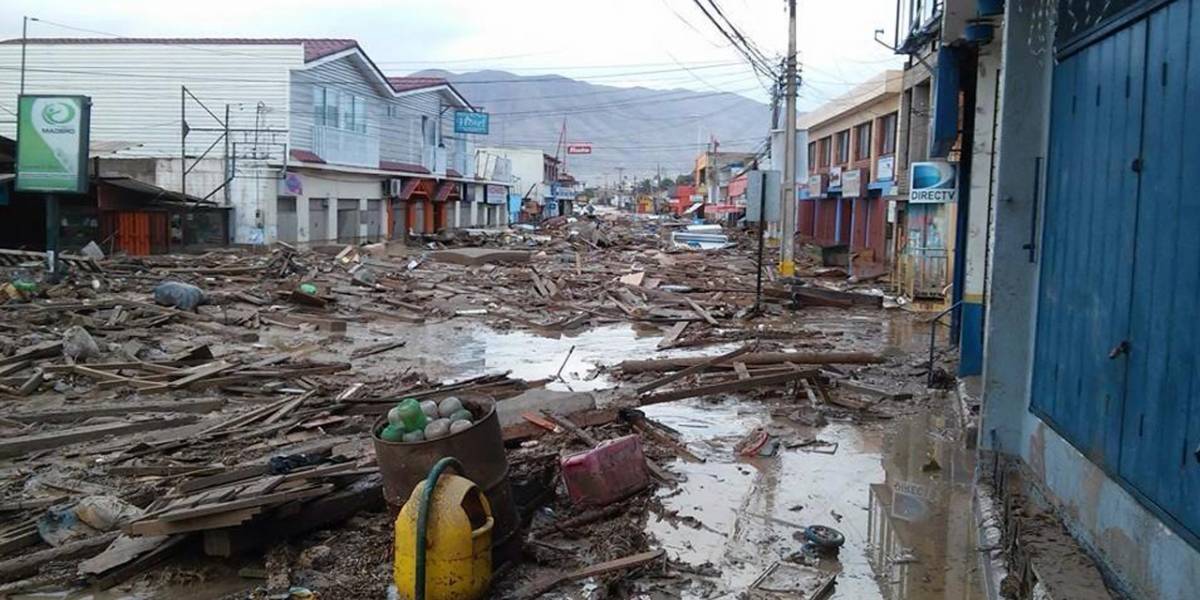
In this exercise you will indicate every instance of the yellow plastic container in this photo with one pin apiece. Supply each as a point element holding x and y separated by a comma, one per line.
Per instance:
<point>458,556</point>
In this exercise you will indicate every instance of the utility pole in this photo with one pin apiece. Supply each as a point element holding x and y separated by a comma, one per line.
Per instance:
<point>787,261</point>
<point>24,38</point>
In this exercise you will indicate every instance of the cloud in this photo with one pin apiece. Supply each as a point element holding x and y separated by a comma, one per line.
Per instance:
<point>605,42</point>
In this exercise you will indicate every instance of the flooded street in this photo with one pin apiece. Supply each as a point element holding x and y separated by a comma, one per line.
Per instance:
<point>899,490</point>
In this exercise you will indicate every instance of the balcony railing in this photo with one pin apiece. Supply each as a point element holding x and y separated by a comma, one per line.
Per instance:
<point>342,147</point>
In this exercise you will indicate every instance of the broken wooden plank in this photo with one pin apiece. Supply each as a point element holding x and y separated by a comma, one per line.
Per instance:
<point>699,310</point>
<point>287,408</point>
<point>120,551</point>
<point>215,508</point>
<point>22,538</point>
<point>72,414</point>
<point>377,349</point>
<point>17,445</point>
<point>587,418</point>
<point>28,564</point>
<point>43,350</point>
<point>672,335</point>
<point>823,297</point>
<point>541,586</point>
<point>16,505</point>
<point>737,385</point>
<point>200,372</point>
<point>139,565</point>
<point>756,358</point>
<point>696,368</point>
<point>214,521</point>
<point>742,371</point>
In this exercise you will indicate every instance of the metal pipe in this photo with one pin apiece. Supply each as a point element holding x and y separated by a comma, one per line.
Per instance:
<point>24,35</point>
<point>423,520</point>
<point>933,323</point>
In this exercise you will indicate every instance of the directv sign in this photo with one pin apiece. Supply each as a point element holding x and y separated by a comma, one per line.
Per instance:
<point>466,121</point>
<point>933,183</point>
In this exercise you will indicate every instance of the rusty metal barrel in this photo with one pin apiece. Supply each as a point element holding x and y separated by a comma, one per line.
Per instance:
<point>480,449</point>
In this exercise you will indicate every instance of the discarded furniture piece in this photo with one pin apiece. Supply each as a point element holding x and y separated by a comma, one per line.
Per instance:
<point>480,448</point>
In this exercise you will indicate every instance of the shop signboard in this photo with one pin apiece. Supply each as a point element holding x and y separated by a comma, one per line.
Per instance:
<point>52,144</point>
<point>852,183</point>
<point>933,182</point>
<point>885,168</point>
<point>466,121</point>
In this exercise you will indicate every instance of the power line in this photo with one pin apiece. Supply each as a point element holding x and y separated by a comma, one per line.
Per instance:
<point>755,63</point>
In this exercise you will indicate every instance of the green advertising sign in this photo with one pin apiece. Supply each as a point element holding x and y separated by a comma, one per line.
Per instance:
<point>52,144</point>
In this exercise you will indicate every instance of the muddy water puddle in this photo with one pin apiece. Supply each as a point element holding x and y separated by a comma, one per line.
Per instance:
<point>900,495</point>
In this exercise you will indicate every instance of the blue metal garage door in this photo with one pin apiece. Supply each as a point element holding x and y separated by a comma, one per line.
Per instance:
<point>1118,334</point>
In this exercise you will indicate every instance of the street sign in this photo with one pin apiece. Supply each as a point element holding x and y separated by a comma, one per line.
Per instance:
<point>466,121</point>
<point>52,143</point>
<point>579,148</point>
<point>762,182</point>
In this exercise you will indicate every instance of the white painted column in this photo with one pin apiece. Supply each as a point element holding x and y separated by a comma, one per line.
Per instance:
<point>362,211</point>
<point>331,219</point>
<point>302,233</point>
<point>385,232</point>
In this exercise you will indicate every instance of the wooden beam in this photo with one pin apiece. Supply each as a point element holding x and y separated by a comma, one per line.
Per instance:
<point>726,387</point>
<point>28,564</point>
<point>17,445</point>
<point>541,586</point>
<point>756,358</point>
<point>696,368</point>
<point>78,414</point>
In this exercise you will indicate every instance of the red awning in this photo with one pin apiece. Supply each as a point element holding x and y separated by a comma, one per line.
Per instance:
<point>410,186</point>
<point>445,190</point>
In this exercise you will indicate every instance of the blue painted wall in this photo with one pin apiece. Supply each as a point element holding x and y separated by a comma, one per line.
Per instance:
<point>1118,338</point>
<point>1147,558</point>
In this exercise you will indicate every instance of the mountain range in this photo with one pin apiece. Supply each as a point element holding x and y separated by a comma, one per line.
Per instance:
<point>637,129</point>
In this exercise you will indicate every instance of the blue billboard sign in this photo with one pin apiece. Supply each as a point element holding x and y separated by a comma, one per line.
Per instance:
<point>466,121</point>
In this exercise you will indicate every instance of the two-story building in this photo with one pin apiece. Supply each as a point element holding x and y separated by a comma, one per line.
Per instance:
<point>302,140</point>
<point>535,179</point>
<point>851,170</point>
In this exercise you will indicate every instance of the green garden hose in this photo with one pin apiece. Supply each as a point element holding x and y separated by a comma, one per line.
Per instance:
<point>423,519</point>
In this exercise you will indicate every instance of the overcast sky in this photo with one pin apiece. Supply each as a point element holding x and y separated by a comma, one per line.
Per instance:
<point>614,42</point>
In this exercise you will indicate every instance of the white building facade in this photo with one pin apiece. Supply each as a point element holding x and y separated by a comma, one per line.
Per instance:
<point>305,139</point>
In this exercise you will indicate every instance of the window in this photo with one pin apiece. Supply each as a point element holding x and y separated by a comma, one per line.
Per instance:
<point>812,156</point>
<point>343,110</point>
<point>428,132</point>
<point>826,146</point>
<point>862,141</point>
<point>842,140</point>
<point>887,129</point>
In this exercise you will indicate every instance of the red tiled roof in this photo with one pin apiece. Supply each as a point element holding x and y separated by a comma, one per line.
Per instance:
<point>387,165</point>
<point>314,48</point>
<point>305,156</point>
<point>404,84</point>
<point>453,173</point>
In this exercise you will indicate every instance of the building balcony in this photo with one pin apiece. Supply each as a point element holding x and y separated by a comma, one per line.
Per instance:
<point>342,147</point>
<point>435,159</point>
